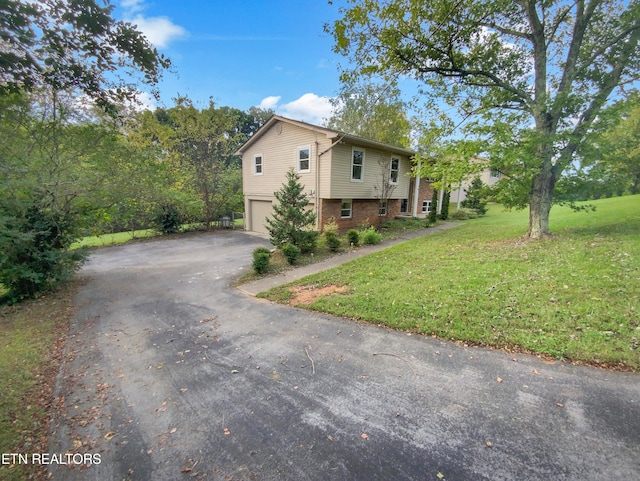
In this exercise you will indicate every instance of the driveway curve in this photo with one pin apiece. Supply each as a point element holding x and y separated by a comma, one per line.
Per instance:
<point>172,373</point>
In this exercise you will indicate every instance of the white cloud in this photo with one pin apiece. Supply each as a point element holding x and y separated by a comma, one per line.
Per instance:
<point>270,102</point>
<point>160,31</point>
<point>132,5</point>
<point>309,108</point>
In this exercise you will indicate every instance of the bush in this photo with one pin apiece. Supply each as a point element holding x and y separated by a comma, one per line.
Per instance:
<point>35,252</point>
<point>370,236</point>
<point>169,219</point>
<point>307,240</point>
<point>333,242</point>
<point>291,252</point>
<point>261,257</point>
<point>444,208</point>
<point>354,237</point>
<point>463,214</point>
<point>330,227</point>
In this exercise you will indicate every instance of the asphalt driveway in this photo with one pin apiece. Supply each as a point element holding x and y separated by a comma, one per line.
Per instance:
<point>172,373</point>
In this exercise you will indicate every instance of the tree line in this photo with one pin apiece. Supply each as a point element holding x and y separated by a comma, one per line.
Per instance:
<point>69,171</point>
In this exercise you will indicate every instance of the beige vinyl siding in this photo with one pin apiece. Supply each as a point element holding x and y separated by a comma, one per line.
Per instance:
<point>279,148</point>
<point>341,185</point>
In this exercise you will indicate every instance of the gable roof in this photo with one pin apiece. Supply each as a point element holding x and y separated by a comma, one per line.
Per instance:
<point>335,135</point>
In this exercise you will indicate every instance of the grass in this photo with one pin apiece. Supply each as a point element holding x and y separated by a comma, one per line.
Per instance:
<point>574,295</point>
<point>124,237</point>
<point>31,341</point>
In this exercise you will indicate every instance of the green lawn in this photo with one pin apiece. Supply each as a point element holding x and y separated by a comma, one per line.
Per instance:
<point>31,341</point>
<point>575,295</point>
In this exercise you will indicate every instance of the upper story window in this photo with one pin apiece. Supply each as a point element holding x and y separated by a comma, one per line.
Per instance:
<point>304,159</point>
<point>495,174</point>
<point>394,171</point>
<point>357,165</point>
<point>257,164</point>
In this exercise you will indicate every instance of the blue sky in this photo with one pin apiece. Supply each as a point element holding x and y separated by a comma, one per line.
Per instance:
<point>243,53</point>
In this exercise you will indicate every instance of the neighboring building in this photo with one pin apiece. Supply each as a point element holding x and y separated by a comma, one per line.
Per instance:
<point>342,175</point>
<point>487,176</point>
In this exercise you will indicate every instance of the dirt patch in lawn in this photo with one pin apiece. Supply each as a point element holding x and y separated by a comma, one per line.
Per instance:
<point>305,295</point>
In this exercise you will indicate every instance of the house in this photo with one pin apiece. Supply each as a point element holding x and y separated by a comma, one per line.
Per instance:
<point>488,176</point>
<point>345,177</point>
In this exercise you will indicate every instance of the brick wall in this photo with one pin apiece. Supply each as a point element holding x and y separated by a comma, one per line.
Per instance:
<point>364,212</point>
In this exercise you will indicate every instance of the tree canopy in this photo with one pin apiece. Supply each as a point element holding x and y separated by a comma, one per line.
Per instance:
<point>74,45</point>
<point>532,74</point>
<point>372,111</point>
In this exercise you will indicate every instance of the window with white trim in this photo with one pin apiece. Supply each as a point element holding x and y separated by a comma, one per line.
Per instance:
<point>357,165</point>
<point>346,208</point>
<point>382,208</point>
<point>257,164</point>
<point>494,174</point>
<point>304,159</point>
<point>426,206</point>
<point>394,170</point>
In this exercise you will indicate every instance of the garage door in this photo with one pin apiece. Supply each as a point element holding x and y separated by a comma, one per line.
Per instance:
<point>260,209</point>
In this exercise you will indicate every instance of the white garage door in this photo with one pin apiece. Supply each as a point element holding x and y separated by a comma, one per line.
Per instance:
<point>260,209</point>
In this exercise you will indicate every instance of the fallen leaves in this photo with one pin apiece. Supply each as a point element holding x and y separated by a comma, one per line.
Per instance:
<point>364,436</point>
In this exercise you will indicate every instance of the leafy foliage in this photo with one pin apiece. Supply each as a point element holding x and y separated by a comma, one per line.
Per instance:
<point>476,198</point>
<point>292,222</point>
<point>444,209</point>
<point>68,45</point>
<point>371,236</point>
<point>372,111</point>
<point>290,252</point>
<point>169,219</point>
<point>433,211</point>
<point>261,257</point>
<point>35,250</point>
<point>354,237</point>
<point>533,76</point>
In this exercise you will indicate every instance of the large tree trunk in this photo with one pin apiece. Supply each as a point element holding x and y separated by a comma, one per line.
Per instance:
<point>540,200</point>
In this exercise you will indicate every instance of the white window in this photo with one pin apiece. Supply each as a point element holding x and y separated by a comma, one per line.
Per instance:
<point>495,174</point>
<point>304,159</point>
<point>426,206</point>
<point>382,208</point>
<point>357,165</point>
<point>257,164</point>
<point>395,170</point>
<point>346,208</point>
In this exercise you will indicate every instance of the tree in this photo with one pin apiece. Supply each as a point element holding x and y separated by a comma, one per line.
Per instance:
<point>292,222</point>
<point>202,141</point>
<point>74,45</point>
<point>620,147</point>
<point>551,64</point>
<point>372,111</point>
<point>476,198</point>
